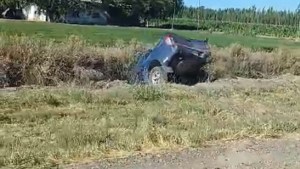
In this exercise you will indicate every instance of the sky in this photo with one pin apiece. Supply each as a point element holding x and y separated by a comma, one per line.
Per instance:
<point>216,4</point>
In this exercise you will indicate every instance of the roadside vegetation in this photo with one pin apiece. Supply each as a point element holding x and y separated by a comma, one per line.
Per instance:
<point>29,60</point>
<point>48,127</point>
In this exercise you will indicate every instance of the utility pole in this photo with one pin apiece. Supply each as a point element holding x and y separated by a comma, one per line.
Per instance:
<point>173,14</point>
<point>199,16</point>
<point>299,28</point>
<point>298,34</point>
<point>298,14</point>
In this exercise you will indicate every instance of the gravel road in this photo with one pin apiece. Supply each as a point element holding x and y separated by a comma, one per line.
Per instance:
<point>251,153</point>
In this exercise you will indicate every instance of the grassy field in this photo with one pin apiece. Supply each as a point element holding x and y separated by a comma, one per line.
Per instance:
<point>46,127</point>
<point>107,35</point>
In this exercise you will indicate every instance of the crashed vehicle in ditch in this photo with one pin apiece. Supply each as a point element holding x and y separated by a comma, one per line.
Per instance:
<point>174,59</point>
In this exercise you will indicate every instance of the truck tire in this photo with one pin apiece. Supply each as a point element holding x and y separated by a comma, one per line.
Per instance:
<point>157,76</point>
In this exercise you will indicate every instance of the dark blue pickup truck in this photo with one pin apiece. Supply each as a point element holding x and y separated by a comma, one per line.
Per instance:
<point>173,59</point>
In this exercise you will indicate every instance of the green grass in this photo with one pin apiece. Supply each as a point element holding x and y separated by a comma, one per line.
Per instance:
<point>107,35</point>
<point>49,127</point>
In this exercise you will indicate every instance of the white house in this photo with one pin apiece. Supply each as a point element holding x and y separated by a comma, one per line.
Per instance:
<point>33,13</point>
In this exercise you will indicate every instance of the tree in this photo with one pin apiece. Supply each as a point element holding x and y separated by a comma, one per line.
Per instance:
<point>132,12</point>
<point>126,11</point>
<point>12,3</point>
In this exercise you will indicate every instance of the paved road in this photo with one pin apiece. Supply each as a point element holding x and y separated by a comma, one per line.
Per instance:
<point>247,154</point>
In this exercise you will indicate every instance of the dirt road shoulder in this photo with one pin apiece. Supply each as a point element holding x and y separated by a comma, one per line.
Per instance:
<point>250,153</point>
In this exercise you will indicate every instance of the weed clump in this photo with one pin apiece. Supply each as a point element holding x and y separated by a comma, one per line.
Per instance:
<point>148,93</point>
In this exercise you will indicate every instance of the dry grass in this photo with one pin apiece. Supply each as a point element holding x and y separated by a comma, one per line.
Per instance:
<point>48,127</point>
<point>29,60</point>
<point>239,61</point>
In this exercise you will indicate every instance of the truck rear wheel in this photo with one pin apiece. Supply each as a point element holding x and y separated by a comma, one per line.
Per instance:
<point>157,76</point>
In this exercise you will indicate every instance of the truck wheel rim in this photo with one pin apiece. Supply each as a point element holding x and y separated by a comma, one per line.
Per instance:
<point>155,77</point>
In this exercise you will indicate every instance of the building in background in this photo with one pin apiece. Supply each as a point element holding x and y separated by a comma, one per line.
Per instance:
<point>92,14</point>
<point>30,12</point>
<point>33,13</point>
<point>12,13</point>
<point>87,17</point>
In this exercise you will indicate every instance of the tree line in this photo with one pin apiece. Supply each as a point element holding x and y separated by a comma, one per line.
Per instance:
<point>250,15</point>
<point>130,12</point>
<point>162,9</point>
